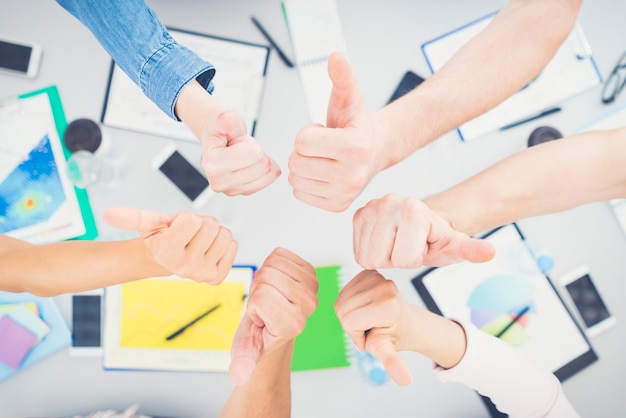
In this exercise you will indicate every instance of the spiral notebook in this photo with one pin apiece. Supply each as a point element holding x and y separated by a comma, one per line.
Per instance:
<point>315,32</point>
<point>323,343</point>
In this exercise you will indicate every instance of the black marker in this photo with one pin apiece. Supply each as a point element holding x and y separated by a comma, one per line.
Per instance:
<point>531,118</point>
<point>280,52</point>
<point>184,328</point>
<point>513,321</point>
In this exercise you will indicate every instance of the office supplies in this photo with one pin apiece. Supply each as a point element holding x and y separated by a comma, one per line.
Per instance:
<point>193,321</point>
<point>491,295</point>
<point>15,342</point>
<point>543,134</point>
<point>323,343</point>
<point>315,32</point>
<point>571,71</point>
<point>29,320</point>
<point>513,321</point>
<point>41,204</point>
<point>539,115</point>
<point>267,36</point>
<point>239,82</point>
<point>139,316</point>
<point>57,338</point>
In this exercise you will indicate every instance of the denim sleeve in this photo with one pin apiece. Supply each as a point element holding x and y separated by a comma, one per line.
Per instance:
<point>142,47</point>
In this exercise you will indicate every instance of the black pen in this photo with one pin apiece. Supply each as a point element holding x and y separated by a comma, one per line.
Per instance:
<point>184,328</point>
<point>280,52</point>
<point>531,118</point>
<point>513,321</point>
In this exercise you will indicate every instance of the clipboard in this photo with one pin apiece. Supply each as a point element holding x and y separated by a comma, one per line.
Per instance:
<point>571,71</point>
<point>239,83</point>
<point>39,116</point>
<point>492,295</point>
<point>141,316</point>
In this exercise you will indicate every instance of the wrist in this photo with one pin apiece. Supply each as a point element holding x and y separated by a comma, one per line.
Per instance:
<point>193,106</point>
<point>436,337</point>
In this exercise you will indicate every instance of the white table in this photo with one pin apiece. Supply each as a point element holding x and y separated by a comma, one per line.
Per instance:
<point>63,385</point>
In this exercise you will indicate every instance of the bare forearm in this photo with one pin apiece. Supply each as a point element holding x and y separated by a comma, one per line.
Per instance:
<point>73,266</point>
<point>492,66</point>
<point>193,105</point>
<point>438,338</point>
<point>268,393</point>
<point>549,178</point>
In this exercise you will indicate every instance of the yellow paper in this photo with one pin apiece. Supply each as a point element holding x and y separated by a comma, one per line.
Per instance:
<point>31,306</point>
<point>152,309</point>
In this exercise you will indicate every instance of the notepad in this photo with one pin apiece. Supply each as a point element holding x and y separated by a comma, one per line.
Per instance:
<point>239,82</point>
<point>323,343</point>
<point>40,204</point>
<point>140,315</point>
<point>57,338</point>
<point>571,71</point>
<point>315,32</point>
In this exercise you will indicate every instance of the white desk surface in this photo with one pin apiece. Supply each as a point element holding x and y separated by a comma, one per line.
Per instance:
<point>63,385</point>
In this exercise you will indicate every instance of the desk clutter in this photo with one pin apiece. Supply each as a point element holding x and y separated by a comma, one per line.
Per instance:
<point>31,329</point>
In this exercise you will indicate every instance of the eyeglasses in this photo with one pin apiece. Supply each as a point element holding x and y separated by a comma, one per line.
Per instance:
<point>615,82</point>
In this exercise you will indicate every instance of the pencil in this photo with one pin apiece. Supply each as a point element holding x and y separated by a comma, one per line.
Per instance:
<point>513,321</point>
<point>280,52</point>
<point>186,326</point>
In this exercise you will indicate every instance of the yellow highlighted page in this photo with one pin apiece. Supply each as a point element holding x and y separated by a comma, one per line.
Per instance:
<point>153,309</point>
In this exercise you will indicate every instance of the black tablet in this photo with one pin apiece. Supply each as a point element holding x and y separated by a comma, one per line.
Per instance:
<point>510,297</point>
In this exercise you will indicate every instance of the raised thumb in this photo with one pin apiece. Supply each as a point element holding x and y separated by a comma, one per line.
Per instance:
<point>395,365</point>
<point>245,351</point>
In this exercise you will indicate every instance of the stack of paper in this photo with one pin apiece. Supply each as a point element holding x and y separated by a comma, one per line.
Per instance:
<point>31,329</point>
<point>315,32</point>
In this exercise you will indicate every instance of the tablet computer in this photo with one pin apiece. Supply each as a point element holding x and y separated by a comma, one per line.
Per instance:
<point>510,293</point>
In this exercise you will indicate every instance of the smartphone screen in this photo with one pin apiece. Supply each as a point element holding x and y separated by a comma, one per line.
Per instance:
<point>588,301</point>
<point>86,321</point>
<point>409,81</point>
<point>15,57</point>
<point>184,175</point>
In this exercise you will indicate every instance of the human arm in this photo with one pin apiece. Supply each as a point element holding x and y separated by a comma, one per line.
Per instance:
<point>547,178</point>
<point>331,165</point>
<point>282,296</point>
<point>187,244</point>
<point>378,319</point>
<point>396,231</point>
<point>514,383</point>
<point>179,81</point>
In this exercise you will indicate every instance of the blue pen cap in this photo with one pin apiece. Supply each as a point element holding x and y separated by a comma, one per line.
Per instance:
<point>371,368</point>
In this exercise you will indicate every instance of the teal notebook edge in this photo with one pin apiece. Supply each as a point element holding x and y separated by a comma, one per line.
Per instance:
<point>91,231</point>
<point>323,343</point>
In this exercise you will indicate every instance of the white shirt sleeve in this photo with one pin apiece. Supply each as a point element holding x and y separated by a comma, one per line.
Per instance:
<point>515,384</point>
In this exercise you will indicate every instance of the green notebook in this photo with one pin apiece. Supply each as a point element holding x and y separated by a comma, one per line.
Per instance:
<point>323,343</point>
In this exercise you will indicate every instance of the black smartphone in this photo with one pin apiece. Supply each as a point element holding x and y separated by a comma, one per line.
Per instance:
<point>19,58</point>
<point>409,81</point>
<point>86,324</point>
<point>582,293</point>
<point>187,178</point>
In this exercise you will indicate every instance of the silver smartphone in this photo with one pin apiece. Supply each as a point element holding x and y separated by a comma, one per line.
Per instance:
<point>20,58</point>
<point>582,295</point>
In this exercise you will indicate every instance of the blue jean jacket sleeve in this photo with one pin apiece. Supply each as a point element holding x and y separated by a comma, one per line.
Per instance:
<point>142,47</point>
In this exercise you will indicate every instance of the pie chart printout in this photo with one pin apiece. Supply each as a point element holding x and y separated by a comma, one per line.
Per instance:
<point>503,305</point>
